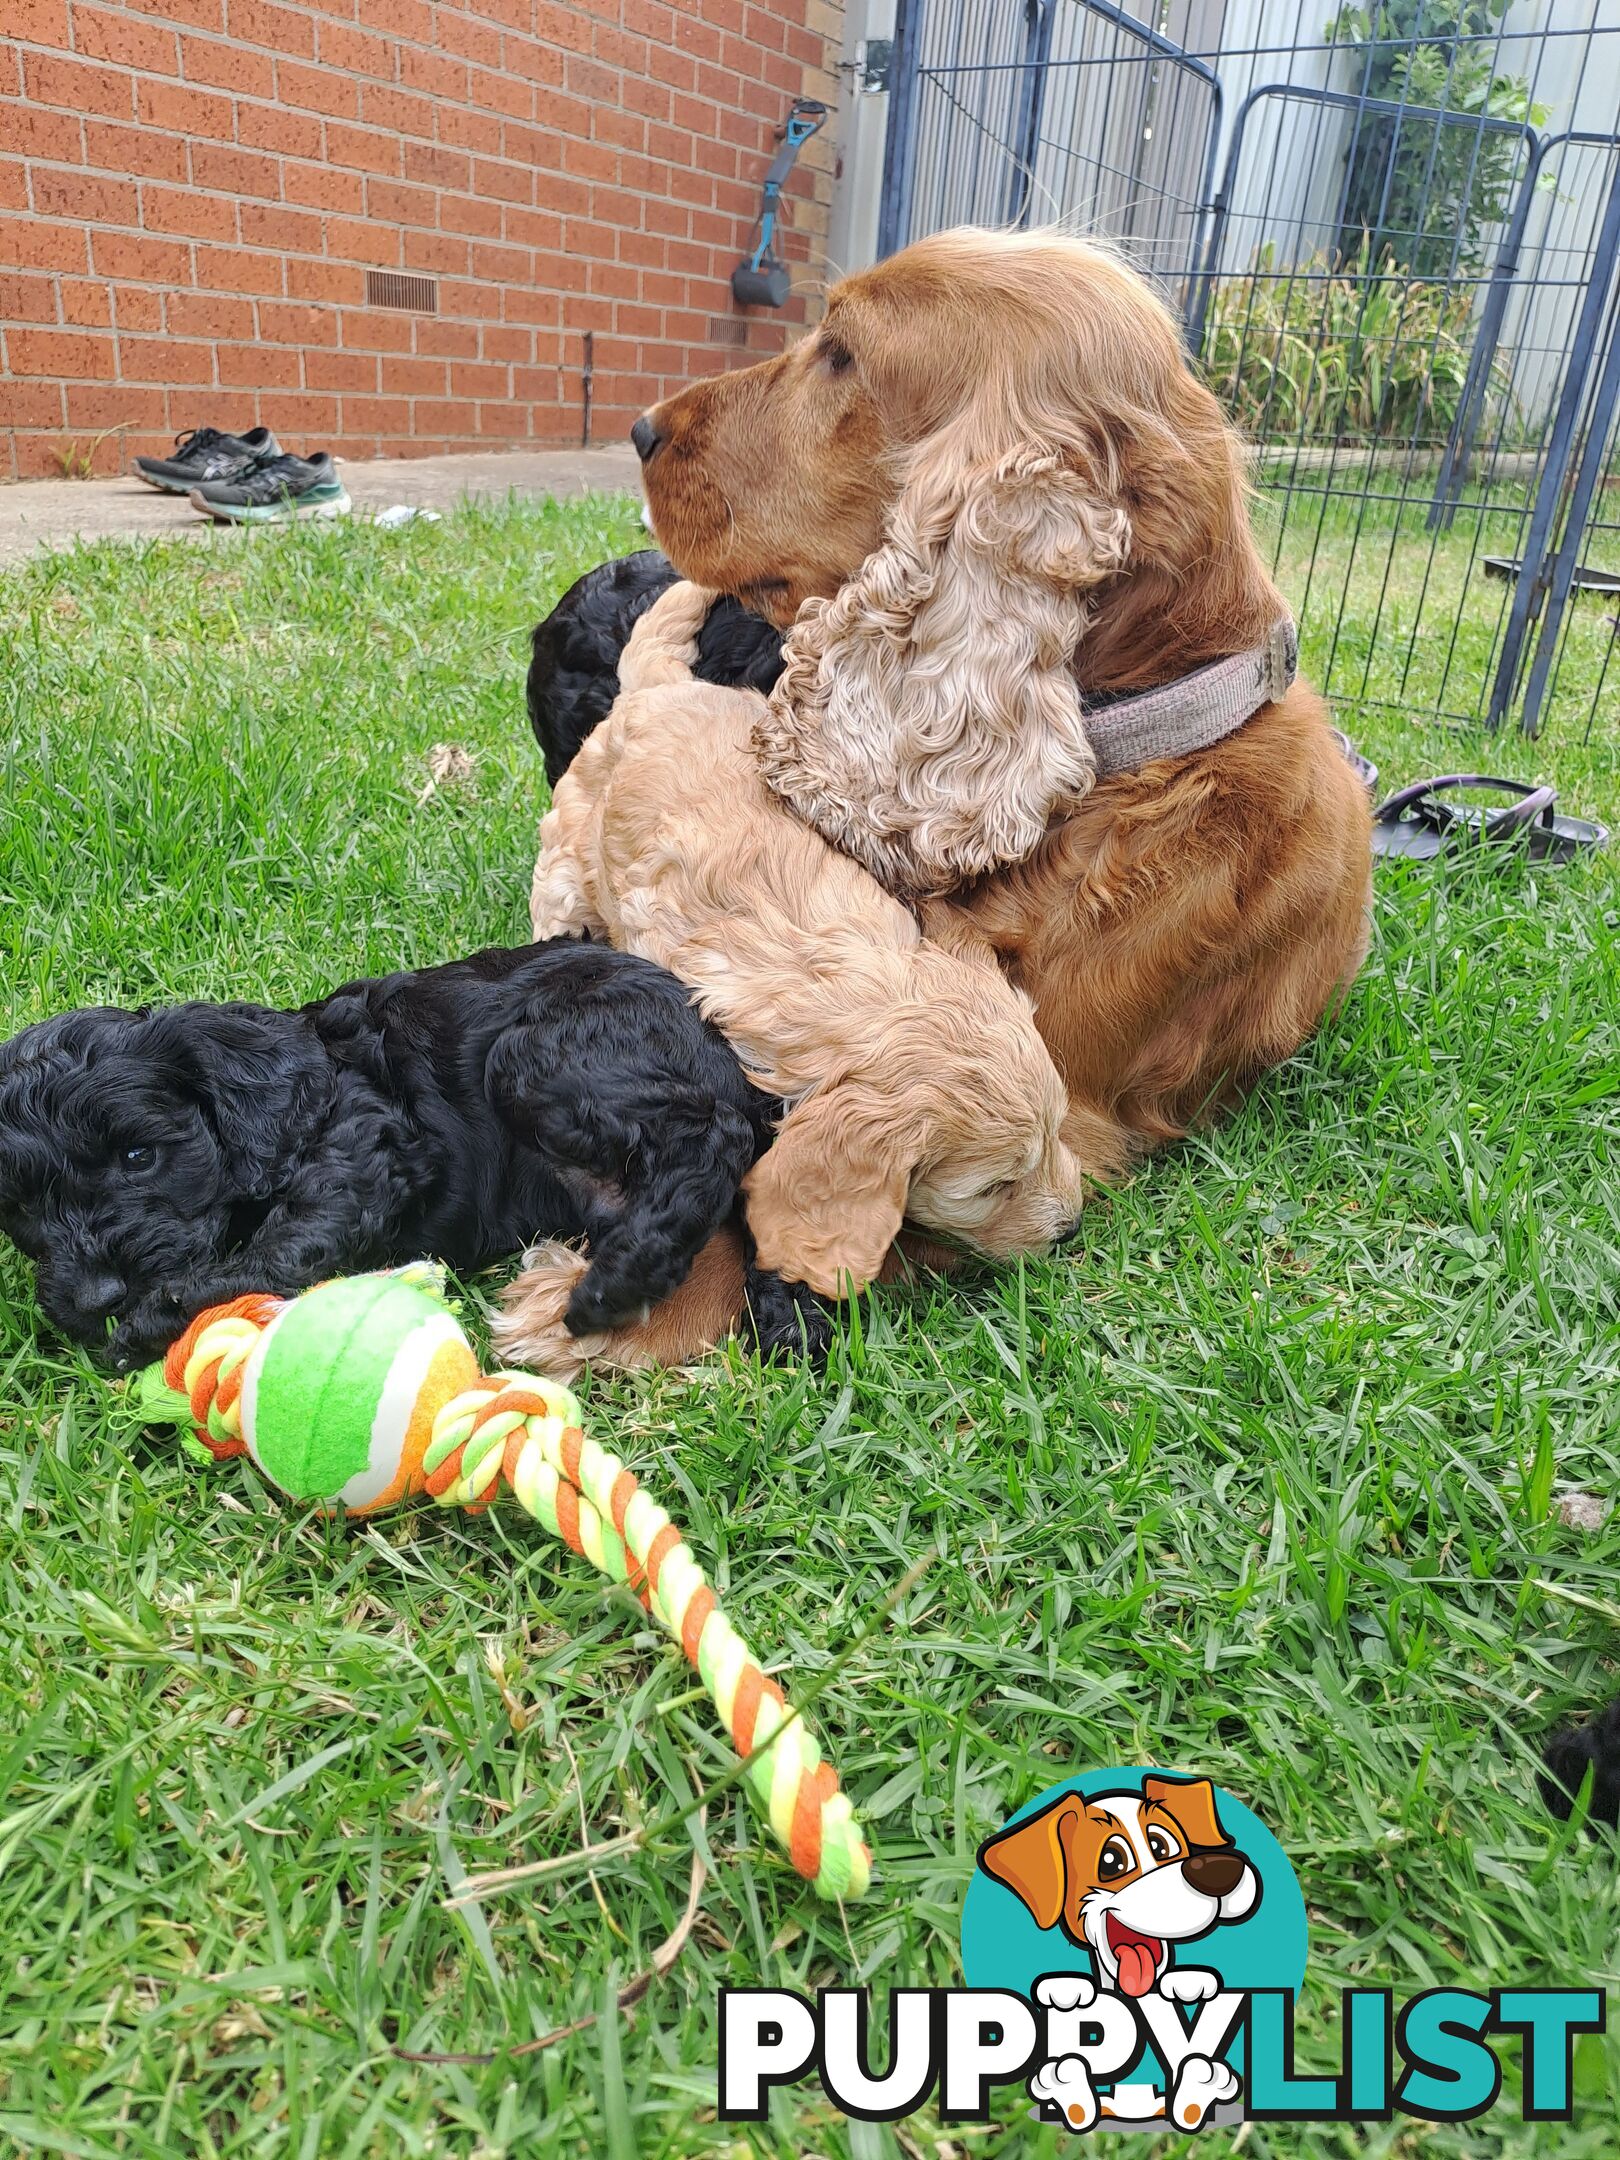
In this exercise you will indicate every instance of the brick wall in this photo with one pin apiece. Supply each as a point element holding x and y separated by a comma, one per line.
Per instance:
<point>191,192</point>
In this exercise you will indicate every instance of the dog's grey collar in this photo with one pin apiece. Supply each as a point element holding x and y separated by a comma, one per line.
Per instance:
<point>1194,711</point>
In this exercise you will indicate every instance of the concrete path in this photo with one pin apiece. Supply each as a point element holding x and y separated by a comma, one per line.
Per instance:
<point>54,513</point>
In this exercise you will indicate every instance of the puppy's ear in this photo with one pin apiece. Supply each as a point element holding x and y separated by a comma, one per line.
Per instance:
<point>261,1079</point>
<point>1032,1861</point>
<point>826,1199</point>
<point>1192,1802</point>
<point>927,719</point>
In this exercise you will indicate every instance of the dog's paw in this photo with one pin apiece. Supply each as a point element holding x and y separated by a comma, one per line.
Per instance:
<point>1065,2085</point>
<point>1065,1991</point>
<point>787,1319</point>
<point>532,1329</point>
<point>1189,1984</point>
<point>1201,2084</point>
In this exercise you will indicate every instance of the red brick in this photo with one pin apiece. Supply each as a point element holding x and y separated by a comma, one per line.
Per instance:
<point>479,379</point>
<point>324,281</point>
<point>273,225</point>
<point>114,405</point>
<point>362,149</point>
<point>394,203</point>
<point>323,188</point>
<point>355,52</point>
<point>27,299</point>
<point>209,315</point>
<point>263,367</point>
<point>478,130</point>
<point>60,352</point>
<point>198,14</point>
<point>281,323</point>
<point>33,131</point>
<point>235,172</point>
<point>397,112</point>
<point>37,22</point>
<point>275,128</point>
<point>435,167</point>
<point>317,90</point>
<point>500,265</point>
<point>137,308</point>
<point>353,240</point>
<point>376,330</point>
<point>183,111</point>
<point>165,360</point>
<point>437,74</point>
<point>146,47</point>
<point>341,370</point>
<point>135,255</point>
<point>506,183</point>
<point>29,404</point>
<point>405,376</point>
<point>139,150</point>
<point>506,342</point>
<point>85,197</point>
<point>51,79</point>
<point>443,254</point>
<point>205,217</point>
<point>474,41</point>
<point>278,29</point>
<point>228,66</point>
<point>412,21</point>
<point>87,303</point>
<point>305,418</point>
<point>381,416</point>
<point>32,244</point>
<point>465,214</point>
<point>239,270</point>
<point>503,418</point>
<point>451,340</point>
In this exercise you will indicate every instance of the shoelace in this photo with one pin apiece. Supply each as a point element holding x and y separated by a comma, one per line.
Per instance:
<point>202,438</point>
<point>274,476</point>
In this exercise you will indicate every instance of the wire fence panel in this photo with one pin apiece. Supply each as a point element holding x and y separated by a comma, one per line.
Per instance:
<point>1392,238</point>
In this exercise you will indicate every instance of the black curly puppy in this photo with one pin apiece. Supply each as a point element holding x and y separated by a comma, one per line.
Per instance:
<point>154,1163</point>
<point>1571,1752</point>
<point>574,672</point>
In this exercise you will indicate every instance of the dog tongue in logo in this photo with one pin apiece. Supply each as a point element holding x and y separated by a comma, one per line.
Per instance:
<point>1140,1956</point>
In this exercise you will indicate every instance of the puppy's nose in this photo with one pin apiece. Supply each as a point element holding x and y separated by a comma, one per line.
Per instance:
<point>1215,1874</point>
<point>98,1296</point>
<point>645,437</point>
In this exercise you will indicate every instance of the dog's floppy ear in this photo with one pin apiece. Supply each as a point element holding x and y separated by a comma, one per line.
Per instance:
<point>826,1199</point>
<point>261,1079</point>
<point>1031,1859</point>
<point>927,719</point>
<point>1192,1802</point>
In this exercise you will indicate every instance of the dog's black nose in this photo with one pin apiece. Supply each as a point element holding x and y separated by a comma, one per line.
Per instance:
<point>97,1297</point>
<point>645,437</point>
<point>1214,1874</point>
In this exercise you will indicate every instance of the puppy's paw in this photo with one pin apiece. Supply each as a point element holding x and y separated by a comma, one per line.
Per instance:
<point>787,1319</point>
<point>593,1308</point>
<point>1201,2084</point>
<point>1065,2086</point>
<point>1191,1984</point>
<point>1066,1991</point>
<point>532,1329</point>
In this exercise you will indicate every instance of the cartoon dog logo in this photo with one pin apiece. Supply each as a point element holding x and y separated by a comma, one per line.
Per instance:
<point>1128,1876</point>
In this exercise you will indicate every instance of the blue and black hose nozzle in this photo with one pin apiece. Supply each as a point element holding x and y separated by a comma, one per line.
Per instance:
<point>763,280</point>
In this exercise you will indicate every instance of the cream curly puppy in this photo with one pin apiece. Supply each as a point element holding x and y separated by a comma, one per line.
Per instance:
<point>919,1087</point>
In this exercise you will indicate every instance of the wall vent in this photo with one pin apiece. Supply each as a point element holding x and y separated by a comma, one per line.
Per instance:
<point>727,330</point>
<point>391,289</point>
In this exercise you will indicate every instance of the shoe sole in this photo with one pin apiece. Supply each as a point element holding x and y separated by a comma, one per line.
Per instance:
<point>163,486</point>
<point>282,513</point>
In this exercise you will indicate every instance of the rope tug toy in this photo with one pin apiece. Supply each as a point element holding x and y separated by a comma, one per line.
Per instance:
<point>365,1391</point>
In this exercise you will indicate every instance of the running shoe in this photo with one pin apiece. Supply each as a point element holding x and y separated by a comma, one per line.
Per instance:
<point>206,455</point>
<point>276,491</point>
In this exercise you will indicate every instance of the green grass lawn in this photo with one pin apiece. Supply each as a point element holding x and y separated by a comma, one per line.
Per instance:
<point>1260,1480</point>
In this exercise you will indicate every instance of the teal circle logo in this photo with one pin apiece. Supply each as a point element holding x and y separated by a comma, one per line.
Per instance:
<point>1141,1883</point>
